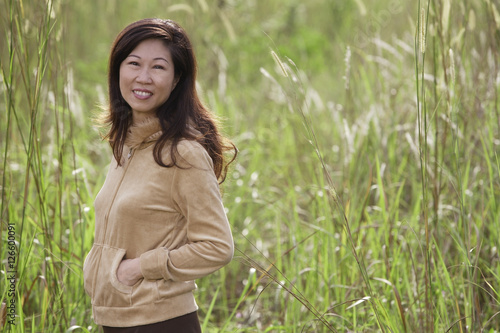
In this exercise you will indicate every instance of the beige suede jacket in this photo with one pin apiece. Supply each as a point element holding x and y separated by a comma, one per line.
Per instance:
<point>172,218</point>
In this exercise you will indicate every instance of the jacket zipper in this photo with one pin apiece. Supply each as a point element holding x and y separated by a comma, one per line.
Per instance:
<point>129,160</point>
<point>106,216</point>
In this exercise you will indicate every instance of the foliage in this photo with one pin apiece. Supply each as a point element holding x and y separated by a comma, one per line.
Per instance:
<point>366,195</point>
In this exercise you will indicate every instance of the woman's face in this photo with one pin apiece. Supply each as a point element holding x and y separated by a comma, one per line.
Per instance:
<point>147,78</point>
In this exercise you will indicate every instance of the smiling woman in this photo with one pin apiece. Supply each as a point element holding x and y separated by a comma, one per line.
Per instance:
<point>160,221</point>
<point>147,77</point>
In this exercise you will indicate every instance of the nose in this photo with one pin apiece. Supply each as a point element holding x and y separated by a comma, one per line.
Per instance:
<point>144,76</point>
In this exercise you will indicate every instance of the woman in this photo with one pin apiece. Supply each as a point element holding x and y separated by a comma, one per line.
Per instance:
<point>160,222</point>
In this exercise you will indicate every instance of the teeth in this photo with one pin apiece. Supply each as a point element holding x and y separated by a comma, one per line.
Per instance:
<point>142,93</point>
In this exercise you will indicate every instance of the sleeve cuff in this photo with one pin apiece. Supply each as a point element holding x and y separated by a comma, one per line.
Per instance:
<point>152,263</point>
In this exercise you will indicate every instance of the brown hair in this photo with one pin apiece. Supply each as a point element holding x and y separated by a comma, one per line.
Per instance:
<point>183,107</point>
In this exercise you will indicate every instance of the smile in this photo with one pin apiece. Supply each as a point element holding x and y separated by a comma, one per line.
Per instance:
<point>142,93</point>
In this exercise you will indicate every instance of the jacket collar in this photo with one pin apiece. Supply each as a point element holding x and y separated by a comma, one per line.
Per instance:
<point>144,133</point>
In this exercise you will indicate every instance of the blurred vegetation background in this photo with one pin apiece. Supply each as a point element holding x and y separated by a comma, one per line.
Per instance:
<point>366,195</point>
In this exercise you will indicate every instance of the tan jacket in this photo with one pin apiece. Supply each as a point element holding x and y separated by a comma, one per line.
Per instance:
<point>172,218</point>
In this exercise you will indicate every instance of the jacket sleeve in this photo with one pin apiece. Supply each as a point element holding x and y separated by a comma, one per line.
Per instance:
<point>209,246</point>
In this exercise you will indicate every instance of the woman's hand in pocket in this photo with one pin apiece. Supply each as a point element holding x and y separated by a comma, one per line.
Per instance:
<point>129,271</point>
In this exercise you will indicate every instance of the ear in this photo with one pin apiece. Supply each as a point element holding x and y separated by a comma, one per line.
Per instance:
<point>176,80</point>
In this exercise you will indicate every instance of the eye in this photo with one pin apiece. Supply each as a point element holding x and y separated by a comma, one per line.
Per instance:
<point>158,67</point>
<point>133,63</point>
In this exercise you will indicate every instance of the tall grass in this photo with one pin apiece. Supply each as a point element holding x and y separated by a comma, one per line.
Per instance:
<point>41,186</point>
<point>365,195</point>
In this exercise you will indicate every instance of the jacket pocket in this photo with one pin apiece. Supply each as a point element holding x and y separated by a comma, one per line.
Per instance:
<point>117,259</point>
<point>108,291</point>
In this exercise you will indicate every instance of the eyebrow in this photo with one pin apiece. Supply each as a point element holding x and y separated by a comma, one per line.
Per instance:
<point>157,58</point>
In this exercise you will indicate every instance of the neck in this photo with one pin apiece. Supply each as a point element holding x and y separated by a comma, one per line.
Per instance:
<point>140,117</point>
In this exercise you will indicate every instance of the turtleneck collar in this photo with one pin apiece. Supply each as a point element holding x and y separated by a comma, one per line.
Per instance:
<point>144,133</point>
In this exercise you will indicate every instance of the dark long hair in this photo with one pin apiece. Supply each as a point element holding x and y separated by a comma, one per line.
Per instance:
<point>183,107</point>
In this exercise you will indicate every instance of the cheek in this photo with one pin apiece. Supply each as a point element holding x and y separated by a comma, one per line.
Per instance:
<point>122,80</point>
<point>166,84</point>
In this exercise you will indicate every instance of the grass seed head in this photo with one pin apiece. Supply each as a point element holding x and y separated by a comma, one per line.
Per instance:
<point>472,20</point>
<point>452,71</point>
<point>422,31</point>
<point>347,61</point>
<point>280,63</point>
<point>496,15</point>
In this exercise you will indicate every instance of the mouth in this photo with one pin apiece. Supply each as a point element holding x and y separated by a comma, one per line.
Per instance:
<point>142,93</point>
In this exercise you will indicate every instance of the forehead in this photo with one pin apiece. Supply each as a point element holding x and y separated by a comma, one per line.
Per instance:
<point>151,47</point>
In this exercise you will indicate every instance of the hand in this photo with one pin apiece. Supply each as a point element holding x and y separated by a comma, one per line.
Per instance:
<point>129,271</point>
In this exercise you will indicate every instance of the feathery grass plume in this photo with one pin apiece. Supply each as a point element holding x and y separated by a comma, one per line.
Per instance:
<point>422,31</point>
<point>496,14</point>
<point>361,6</point>
<point>472,20</point>
<point>279,63</point>
<point>347,61</point>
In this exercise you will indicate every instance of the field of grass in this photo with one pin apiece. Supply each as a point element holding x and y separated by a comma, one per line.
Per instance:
<point>366,194</point>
